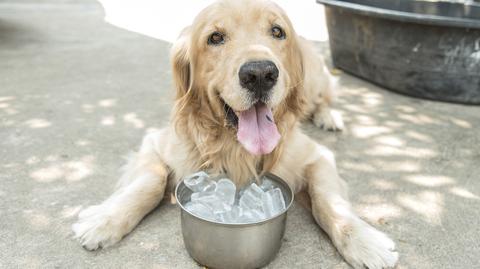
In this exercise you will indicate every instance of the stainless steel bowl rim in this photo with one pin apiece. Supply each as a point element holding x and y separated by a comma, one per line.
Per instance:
<point>269,175</point>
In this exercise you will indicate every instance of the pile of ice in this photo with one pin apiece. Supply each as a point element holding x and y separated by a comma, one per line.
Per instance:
<point>219,200</point>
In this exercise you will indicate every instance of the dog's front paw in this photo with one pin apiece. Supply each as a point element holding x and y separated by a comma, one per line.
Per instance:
<point>96,228</point>
<point>328,120</point>
<point>365,247</point>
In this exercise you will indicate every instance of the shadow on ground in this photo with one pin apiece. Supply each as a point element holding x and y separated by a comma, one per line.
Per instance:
<point>78,94</point>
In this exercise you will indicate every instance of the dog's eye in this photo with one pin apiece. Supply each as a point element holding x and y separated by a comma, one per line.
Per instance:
<point>216,38</point>
<point>278,32</point>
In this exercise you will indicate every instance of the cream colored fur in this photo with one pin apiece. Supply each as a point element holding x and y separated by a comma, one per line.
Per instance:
<point>200,137</point>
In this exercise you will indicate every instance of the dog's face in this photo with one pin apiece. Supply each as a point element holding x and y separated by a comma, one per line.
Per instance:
<point>241,58</point>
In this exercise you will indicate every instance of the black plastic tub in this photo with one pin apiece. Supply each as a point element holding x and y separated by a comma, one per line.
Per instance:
<point>419,48</point>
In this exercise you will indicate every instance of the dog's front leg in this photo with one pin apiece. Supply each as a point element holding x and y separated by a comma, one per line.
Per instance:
<point>358,242</point>
<point>139,191</point>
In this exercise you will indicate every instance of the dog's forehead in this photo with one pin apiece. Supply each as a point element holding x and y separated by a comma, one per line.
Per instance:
<point>228,13</point>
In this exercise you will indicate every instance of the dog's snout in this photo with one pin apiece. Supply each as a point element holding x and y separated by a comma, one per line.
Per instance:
<point>258,76</point>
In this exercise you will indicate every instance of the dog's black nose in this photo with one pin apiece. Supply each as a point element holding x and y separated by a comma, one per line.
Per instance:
<point>258,76</point>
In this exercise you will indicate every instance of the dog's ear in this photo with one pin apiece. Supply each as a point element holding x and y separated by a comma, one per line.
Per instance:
<point>181,65</point>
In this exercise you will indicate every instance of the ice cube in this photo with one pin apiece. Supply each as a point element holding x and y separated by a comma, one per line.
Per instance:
<point>246,217</point>
<point>232,215</point>
<point>251,197</point>
<point>205,198</point>
<point>226,190</point>
<point>220,217</point>
<point>199,195</point>
<point>267,184</point>
<point>199,182</point>
<point>267,204</point>
<point>200,210</point>
<point>210,185</point>
<point>238,196</point>
<point>278,202</point>
<point>221,208</point>
<point>212,201</point>
<point>258,215</point>
<point>251,215</point>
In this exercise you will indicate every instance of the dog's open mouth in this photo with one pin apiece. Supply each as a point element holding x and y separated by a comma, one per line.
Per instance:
<point>230,114</point>
<point>256,131</point>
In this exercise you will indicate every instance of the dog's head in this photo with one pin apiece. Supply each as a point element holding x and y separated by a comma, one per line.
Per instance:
<point>239,65</point>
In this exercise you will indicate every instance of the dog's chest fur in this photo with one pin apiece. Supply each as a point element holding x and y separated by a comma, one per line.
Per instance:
<point>220,155</point>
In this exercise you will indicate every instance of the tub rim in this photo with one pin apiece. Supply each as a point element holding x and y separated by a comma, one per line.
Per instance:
<point>404,16</point>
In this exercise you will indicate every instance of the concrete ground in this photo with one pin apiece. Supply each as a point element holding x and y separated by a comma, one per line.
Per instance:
<point>77,94</point>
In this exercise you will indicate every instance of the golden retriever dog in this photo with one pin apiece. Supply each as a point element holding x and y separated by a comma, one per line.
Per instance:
<point>244,80</point>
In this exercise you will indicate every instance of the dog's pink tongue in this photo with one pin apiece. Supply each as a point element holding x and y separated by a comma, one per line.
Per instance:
<point>257,131</point>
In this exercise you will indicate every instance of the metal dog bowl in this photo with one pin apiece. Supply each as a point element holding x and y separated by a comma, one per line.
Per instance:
<point>427,49</point>
<point>224,245</point>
